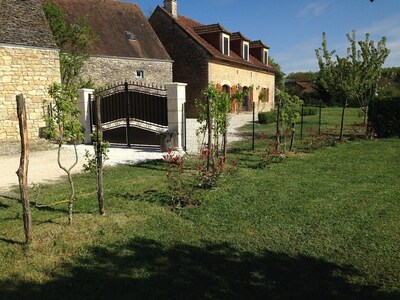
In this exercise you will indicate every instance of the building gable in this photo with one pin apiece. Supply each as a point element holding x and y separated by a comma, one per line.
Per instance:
<point>22,22</point>
<point>121,27</point>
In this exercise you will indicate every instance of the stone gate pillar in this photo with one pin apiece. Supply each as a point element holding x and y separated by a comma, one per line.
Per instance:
<point>176,93</point>
<point>84,118</point>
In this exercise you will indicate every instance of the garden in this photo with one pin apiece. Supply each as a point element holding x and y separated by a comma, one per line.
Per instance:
<point>318,222</point>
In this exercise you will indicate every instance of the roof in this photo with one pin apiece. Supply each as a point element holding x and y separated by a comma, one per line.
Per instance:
<point>113,21</point>
<point>204,29</point>
<point>191,27</point>
<point>239,36</point>
<point>308,86</point>
<point>258,44</point>
<point>24,23</point>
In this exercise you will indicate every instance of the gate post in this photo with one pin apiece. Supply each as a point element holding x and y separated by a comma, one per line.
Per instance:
<point>84,108</point>
<point>176,93</point>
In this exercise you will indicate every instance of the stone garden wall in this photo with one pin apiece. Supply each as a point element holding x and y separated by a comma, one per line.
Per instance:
<point>28,71</point>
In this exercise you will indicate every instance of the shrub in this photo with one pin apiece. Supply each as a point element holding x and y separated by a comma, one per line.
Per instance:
<point>310,111</point>
<point>267,117</point>
<point>384,117</point>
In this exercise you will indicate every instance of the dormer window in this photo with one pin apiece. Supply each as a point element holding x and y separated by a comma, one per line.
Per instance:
<point>265,57</point>
<point>245,51</point>
<point>130,36</point>
<point>225,44</point>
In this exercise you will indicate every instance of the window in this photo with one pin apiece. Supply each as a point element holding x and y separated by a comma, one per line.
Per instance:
<point>225,44</point>
<point>265,58</point>
<point>245,51</point>
<point>139,74</point>
<point>130,36</point>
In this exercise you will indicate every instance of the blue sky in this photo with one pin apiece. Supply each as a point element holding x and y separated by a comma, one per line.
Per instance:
<point>293,28</point>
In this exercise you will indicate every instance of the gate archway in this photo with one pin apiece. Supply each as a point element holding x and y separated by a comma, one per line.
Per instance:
<point>132,114</point>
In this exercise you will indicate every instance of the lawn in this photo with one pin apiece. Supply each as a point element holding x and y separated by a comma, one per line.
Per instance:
<point>330,121</point>
<point>320,225</point>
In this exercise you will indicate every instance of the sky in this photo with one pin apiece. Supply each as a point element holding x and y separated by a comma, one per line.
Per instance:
<point>293,28</point>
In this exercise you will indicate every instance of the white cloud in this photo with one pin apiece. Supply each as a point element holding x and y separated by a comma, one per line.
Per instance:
<point>390,28</point>
<point>315,9</point>
<point>301,57</point>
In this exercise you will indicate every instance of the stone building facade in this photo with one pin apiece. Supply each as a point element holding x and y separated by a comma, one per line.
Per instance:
<point>29,63</point>
<point>205,54</point>
<point>126,47</point>
<point>108,70</point>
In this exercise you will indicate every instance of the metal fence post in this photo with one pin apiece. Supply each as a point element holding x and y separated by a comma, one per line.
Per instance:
<point>302,120</point>
<point>128,109</point>
<point>319,121</point>
<point>254,121</point>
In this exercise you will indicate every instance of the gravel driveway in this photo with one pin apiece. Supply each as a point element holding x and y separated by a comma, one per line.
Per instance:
<point>43,165</point>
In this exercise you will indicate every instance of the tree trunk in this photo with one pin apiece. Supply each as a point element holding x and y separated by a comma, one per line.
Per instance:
<point>22,171</point>
<point>342,122</point>
<point>99,159</point>
<point>71,182</point>
<point>292,138</point>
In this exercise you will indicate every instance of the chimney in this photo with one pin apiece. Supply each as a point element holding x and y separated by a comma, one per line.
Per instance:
<point>171,6</point>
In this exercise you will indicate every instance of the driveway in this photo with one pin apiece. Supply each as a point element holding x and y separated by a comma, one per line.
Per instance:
<point>43,165</point>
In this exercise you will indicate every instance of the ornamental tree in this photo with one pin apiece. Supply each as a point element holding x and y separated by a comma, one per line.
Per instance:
<point>354,77</point>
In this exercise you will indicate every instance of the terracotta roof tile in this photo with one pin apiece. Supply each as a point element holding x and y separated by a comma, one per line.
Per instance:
<point>258,44</point>
<point>204,29</point>
<point>239,36</point>
<point>110,20</point>
<point>188,25</point>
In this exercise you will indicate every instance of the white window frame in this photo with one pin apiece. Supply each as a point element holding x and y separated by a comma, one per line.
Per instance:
<point>246,54</point>
<point>139,74</point>
<point>223,36</point>
<point>265,56</point>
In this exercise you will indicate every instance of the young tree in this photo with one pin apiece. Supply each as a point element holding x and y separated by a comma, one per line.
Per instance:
<point>73,39</point>
<point>62,120</point>
<point>348,78</point>
<point>369,61</point>
<point>214,115</point>
<point>291,108</point>
<point>62,126</point>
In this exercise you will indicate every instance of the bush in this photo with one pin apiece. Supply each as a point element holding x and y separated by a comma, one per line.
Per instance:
<point>384,117</point>
<point>310,111</point>
<point>266,117</point>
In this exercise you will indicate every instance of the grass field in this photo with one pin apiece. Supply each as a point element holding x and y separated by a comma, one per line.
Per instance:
<point>321,225</point>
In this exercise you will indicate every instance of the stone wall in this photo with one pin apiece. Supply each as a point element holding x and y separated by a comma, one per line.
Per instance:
<point>190,66</point>
<point>110,70</point>
<point>27,71</point>
<point>228,75</point>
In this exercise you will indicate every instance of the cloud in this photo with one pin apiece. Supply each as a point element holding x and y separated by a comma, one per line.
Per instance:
<point>303,59</point>
<point>390,28</point>
<point>315,9</point>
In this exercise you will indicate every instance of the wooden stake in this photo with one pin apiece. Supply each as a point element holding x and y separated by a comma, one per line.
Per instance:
<point>22,171</point>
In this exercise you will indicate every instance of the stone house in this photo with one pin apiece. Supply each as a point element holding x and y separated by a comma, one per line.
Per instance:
<point>127,47</point>
<point>29,63</point>
<point>206,54</point>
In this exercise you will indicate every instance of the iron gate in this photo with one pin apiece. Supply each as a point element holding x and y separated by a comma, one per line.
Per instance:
<point>131,113</point>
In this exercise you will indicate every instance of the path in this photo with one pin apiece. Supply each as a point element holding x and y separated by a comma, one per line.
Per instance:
<point>43,165</point>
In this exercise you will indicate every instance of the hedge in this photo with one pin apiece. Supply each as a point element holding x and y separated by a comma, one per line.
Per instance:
<point>384,116</point>
<point>310,111</point>
<point>267,117</point>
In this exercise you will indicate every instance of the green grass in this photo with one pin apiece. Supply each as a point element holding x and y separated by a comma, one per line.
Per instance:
<point>330,120</point>
<point>323,225</point>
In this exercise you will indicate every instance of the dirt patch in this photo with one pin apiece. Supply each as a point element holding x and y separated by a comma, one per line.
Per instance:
<point>14,148</point>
